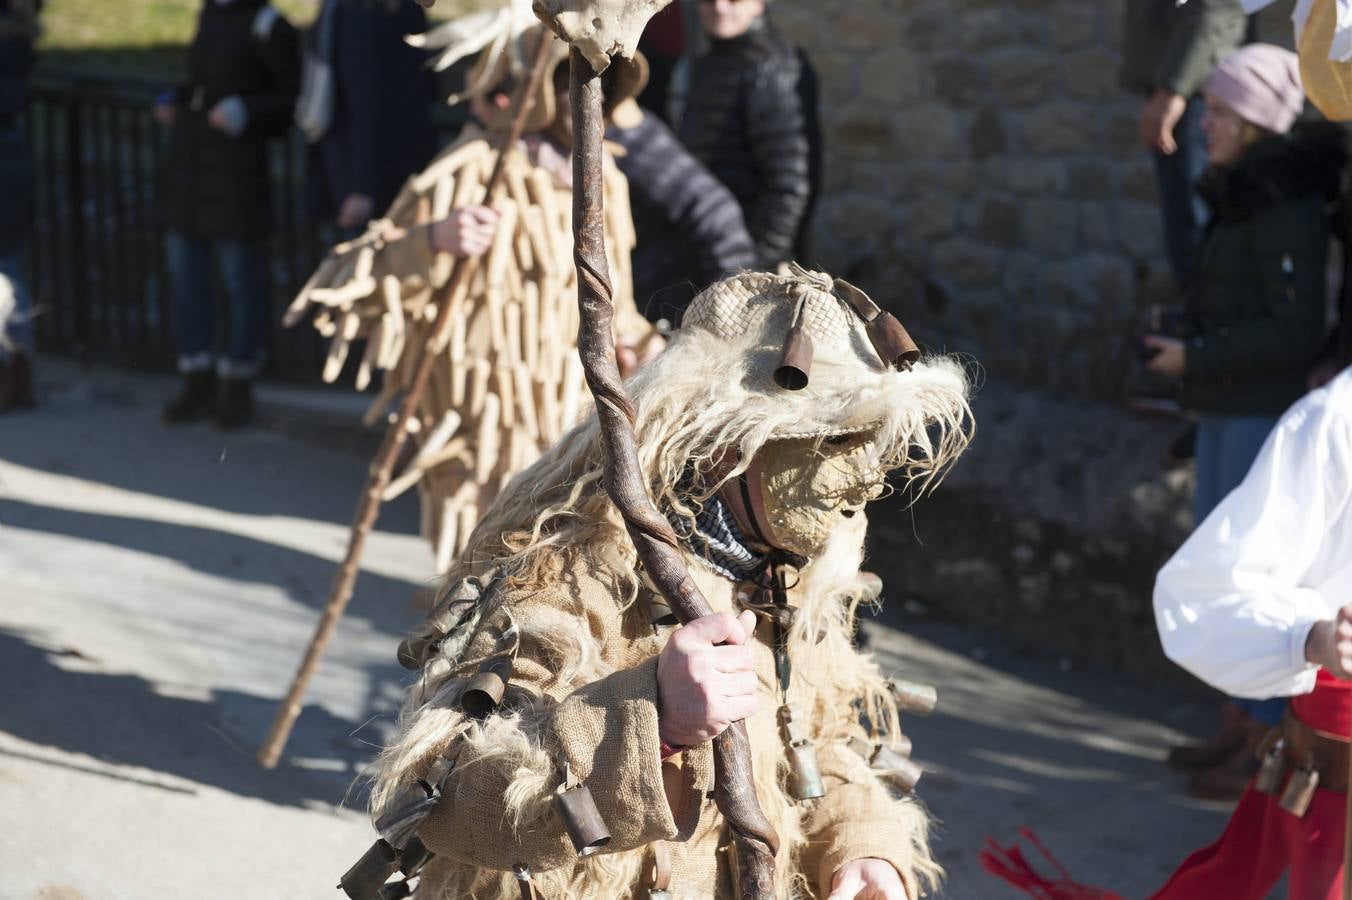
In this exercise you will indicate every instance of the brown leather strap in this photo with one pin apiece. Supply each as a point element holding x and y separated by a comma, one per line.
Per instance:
<point>1307,748</point>
<point>524,882</point>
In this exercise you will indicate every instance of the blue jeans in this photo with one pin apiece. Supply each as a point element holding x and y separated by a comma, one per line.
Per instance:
<point>241,264</point>
<point>1183,211</point>
<point>19,326</point>
<point>1226,448</point>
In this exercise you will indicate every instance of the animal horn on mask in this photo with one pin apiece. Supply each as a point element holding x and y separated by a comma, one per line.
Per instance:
<point>795,366</point>
<point>889,337</point>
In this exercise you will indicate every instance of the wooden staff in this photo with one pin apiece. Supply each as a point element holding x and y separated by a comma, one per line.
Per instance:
<point>368,507</point>
<point>1347,835</point>
<point>656,542</point>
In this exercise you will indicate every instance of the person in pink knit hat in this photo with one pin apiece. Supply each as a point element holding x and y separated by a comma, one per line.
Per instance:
<point>1255,316</point>
<point>1229,603</point>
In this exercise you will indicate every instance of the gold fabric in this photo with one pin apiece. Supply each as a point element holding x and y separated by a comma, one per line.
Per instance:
<point>1328,84</point>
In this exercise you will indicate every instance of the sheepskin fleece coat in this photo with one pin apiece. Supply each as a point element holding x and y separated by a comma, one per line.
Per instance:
<point>584,691</point>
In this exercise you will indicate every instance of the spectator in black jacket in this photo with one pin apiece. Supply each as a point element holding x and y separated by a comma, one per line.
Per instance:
<point>18,31</point>
<point>381,130</point>
<point>690,231</point>
<point>243,73</point>
<point>750,117</point>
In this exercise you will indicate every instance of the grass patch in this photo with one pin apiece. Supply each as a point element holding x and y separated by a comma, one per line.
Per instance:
<point>147,38</point>
<point>143,38</point>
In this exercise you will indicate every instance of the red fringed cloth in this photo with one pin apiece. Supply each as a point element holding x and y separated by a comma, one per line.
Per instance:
<point>1010,865</point>
<point>1260,842</point>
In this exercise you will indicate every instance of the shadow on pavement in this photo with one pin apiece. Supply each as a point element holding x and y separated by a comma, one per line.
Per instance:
<point>123,720</point>
<point>302,576</point>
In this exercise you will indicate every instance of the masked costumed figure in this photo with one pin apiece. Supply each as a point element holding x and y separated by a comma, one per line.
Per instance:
<point>557,736</point>
<point>509,382</point>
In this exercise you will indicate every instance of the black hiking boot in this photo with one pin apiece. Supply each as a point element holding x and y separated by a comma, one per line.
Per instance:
<point>195,400</point>
<point>234,403</point>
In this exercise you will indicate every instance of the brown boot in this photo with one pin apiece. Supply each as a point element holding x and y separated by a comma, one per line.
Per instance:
<point>1228,739</point>
<point>1228,780</point>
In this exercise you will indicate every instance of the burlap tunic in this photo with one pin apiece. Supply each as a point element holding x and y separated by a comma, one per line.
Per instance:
<point>584,683</point>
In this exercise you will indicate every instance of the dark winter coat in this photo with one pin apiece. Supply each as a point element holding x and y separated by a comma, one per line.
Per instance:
<point>382,129</point>
<point>17,34</point>
<point>1259,299</point>
<point>750,117</point>
<point>217,186</point>
<point>1176,47</point>
<point>689,228</point>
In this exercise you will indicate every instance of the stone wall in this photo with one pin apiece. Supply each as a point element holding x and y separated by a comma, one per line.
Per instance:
<point>983,173</point>
<point>984,177</point>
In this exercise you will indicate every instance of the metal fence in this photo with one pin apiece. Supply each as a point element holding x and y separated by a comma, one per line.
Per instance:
<point>97,265</point>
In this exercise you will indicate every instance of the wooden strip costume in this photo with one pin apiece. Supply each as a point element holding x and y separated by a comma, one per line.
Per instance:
<point>532,730</point>
<point>508,383</point>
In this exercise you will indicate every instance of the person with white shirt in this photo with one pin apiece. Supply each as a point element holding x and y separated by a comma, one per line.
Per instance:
<point>1257,603</point>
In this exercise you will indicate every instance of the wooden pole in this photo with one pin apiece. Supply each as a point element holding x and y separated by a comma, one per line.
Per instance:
<point>1347,835</point>
<point>657,545</point>
<point>368,505</point>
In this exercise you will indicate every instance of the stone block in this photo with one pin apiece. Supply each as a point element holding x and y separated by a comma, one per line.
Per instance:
<point>999,221</point>
<point>967,263</point>
<point>1138,179</point>
<point>862,132</point>
<point>1051,227</point>
<point>1090,75</point>
<point>929,26</point>
<point>865,215</point>
<point>891,77</point>
<point>1070,26</point>
<point>1121,136</point>
<point>1021,77</point>
<point>859,26</point>
<point>929,216</point>
<point>957,178</point>
<point>1061,128</point>
<point>1096,227</point>
<point>986,29</point>
<point>1140,230</point>
<point>1023,277</point>
<point>838,77</point>
<point>1090,178</point>
<point>1111,279</point>
<point>925,132</point>
<point>986,134</point>
<point>801,23</point>
<point>1024,175</point>
<point>958,81</point>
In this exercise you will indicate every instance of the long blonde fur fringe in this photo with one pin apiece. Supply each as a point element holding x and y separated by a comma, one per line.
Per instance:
<point>694,402</point>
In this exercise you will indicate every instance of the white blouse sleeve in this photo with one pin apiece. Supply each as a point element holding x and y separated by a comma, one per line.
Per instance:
<point>1233,605</point>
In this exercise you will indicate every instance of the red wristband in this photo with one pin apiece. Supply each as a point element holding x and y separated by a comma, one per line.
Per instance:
<point>669,751</point>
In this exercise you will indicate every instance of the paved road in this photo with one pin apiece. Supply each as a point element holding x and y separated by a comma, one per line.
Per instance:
<point>159,585</point>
